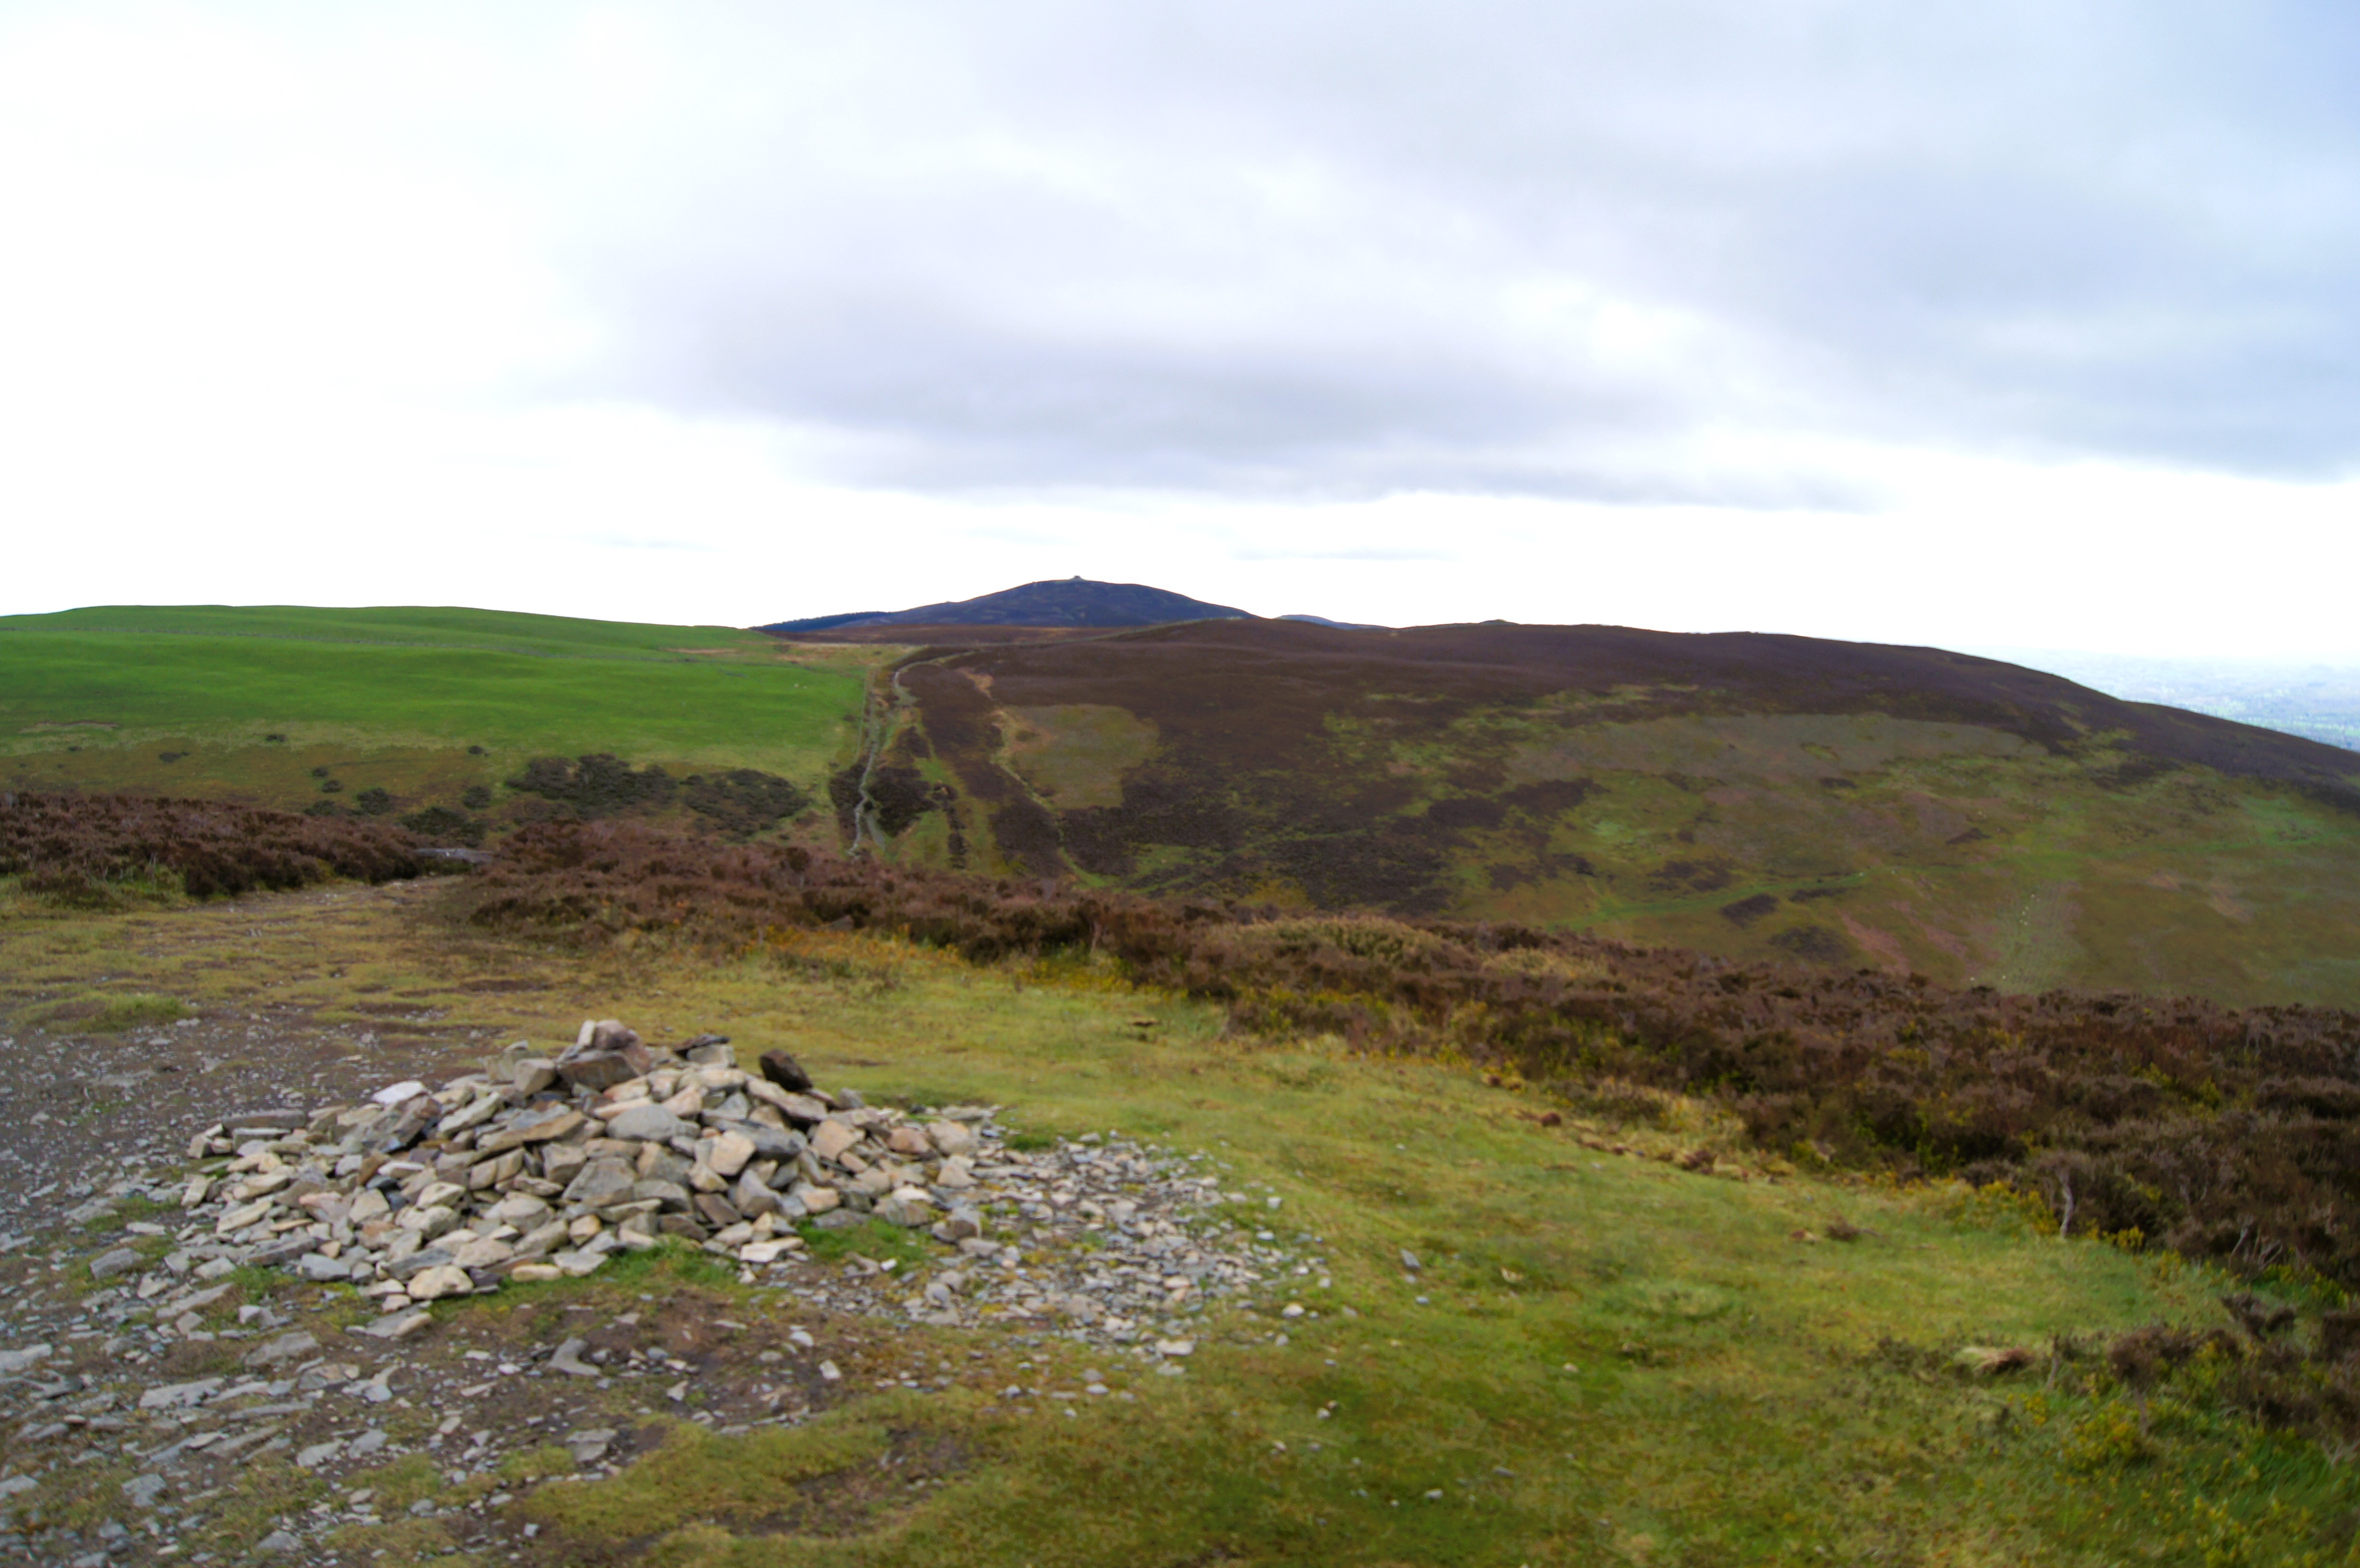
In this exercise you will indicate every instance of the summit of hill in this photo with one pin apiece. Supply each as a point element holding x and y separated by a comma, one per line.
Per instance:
<point>1074,601</point>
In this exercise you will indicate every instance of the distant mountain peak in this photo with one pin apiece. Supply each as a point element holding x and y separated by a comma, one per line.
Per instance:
<point>1053,601</point>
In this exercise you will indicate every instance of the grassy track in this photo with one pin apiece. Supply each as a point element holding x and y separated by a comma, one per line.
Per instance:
<point>395,698</point>
<point>1614,1361</point>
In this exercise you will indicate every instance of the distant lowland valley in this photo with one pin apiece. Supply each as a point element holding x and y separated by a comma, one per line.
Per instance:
<point>2025,824</point>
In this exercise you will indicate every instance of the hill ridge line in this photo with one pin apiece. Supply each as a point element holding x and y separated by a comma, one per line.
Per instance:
<point>348,642</point>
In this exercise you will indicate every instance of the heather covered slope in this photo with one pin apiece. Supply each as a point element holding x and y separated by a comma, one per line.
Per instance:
<point>1753,795</point>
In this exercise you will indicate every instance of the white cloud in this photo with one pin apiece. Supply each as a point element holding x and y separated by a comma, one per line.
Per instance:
<point>2026,323</point>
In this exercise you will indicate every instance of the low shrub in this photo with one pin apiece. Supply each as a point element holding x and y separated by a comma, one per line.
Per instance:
<point>597,785</point>
<point>83,846</point>
<point>443,825</point>
<point>2226,1134</point>
<point>743,800</point>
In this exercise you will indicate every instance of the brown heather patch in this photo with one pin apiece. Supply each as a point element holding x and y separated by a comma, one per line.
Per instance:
<point>85,847</point>
<point>2225,1134</point>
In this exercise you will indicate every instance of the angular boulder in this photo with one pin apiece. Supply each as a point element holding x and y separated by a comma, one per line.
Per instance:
<point>786,1072</point>
<point>601,1182</point>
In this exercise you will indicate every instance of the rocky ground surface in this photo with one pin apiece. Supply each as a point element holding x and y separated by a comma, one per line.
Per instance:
<point>411,1305</point>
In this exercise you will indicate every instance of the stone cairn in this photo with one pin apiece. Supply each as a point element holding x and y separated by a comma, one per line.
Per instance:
<point>541,1167</point>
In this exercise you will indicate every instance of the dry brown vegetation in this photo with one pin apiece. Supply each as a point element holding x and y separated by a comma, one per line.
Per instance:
<point>89,846</point>
<point>2225,1134</point>
<point>1249,779</point>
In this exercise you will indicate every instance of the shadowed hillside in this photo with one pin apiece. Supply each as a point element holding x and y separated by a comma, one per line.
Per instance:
<point>1757,795</point>
<point>1069,602</point>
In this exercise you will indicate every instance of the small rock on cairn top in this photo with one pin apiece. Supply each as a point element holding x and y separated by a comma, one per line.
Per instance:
<point>786,1072</point>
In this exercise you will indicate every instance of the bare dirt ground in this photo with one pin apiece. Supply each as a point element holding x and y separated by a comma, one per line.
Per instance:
<point>83,1110</point>
<point>298,1003</point>
<point>174,1409</point>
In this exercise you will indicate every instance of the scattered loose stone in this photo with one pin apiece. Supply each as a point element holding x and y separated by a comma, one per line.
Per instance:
<point>286,1348</point>
<point>567,1359</point>
<point>396,1325</point>
<point>589,1446</point>
<point>545,1166</point>
<point>107,1265</point>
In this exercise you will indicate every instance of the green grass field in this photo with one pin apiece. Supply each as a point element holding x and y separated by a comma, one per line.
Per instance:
<point>396,697</point>
<point>1605,1360</point>
<point>407,626</point>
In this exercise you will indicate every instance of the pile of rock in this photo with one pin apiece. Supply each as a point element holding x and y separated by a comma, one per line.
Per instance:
<point>542,1167</point>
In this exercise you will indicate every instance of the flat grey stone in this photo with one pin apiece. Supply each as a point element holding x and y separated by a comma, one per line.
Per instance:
<point>590,1445</point>
<point>107,1265</point>
<point>650,1124</point>
<point>179,1396</point>
<point>284,1250</point>
<point>595,1070</point>
<point>396,1325</point>
<point>768,1142</point>
<point>569,1361</point>
<point>670,1194</point>
<point>419,1262</point>
<point>286,1348</point>
<point>601,1182</point>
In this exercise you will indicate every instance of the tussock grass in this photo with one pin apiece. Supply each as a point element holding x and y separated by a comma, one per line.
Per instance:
<point>101,1013</point>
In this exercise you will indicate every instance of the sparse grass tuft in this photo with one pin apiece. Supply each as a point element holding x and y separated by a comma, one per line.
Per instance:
<point>670,1260</point>
<point>873,1240</point>
<point>101,1013</point>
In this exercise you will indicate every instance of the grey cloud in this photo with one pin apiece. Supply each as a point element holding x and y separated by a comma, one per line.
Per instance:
<point>1517,249</point>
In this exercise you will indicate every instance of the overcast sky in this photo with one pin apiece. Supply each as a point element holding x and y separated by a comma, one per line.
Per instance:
<point>1994,323</point>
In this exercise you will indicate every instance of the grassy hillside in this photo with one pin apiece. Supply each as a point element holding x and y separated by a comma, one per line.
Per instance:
<point>1754,796</point>
<point>247,705</point>
<point>408,625</point>
<point>1603,1357</point>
